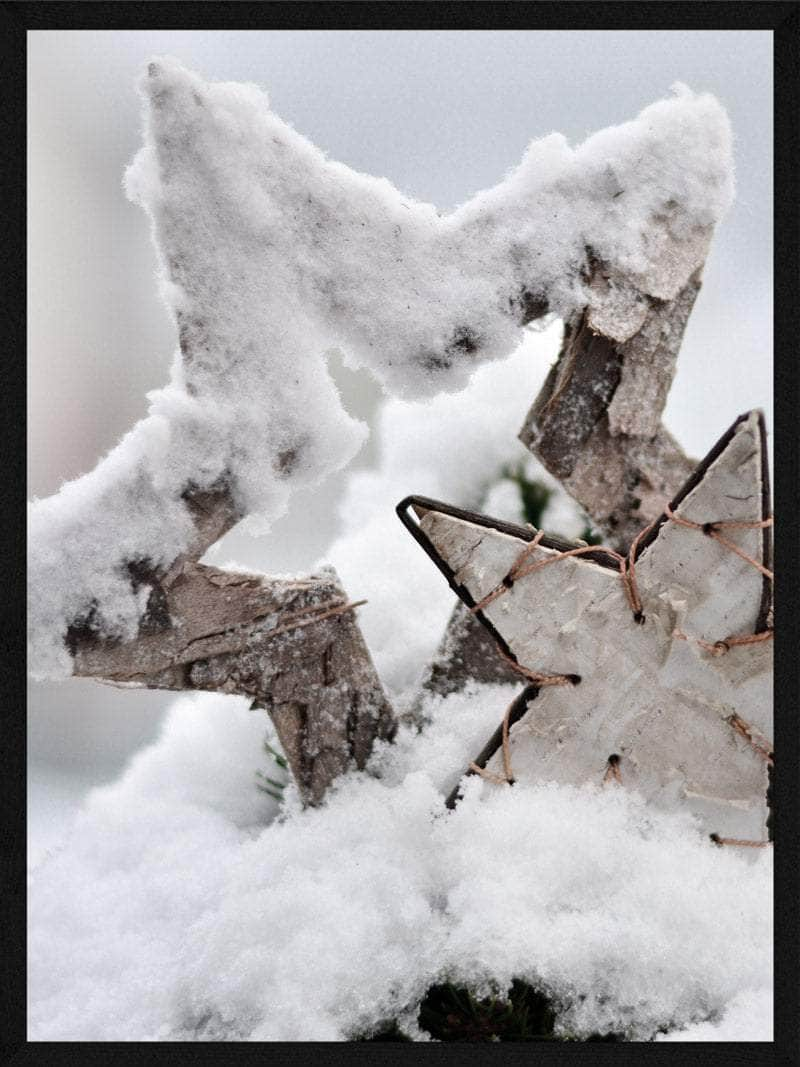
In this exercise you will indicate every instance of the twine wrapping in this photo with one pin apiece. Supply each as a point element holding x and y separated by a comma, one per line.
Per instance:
<point>627,569</point>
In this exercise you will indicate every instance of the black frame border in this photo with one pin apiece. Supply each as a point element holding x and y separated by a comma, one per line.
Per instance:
<point>15,20</point>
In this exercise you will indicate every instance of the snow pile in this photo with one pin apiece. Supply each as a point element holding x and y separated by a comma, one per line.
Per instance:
<point>748,1017</point>
<point>271,255</point>
<point>177,909</point>
<point>174,912</point>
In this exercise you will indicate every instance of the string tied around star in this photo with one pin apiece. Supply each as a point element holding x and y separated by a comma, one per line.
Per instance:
<point>522,568</point>
<point>311,615</point>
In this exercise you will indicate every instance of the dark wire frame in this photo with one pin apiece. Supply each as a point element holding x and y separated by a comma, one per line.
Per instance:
<point>405,510</point>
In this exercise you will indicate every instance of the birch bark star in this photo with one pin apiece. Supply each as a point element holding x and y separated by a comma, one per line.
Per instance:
<point>675,699</point>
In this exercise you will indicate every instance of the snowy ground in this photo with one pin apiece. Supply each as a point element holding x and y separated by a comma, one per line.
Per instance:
<point>176,910</point>
<point>173,905</point>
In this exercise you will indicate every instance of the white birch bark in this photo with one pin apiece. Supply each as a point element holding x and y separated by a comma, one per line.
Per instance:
<point>665,706</point>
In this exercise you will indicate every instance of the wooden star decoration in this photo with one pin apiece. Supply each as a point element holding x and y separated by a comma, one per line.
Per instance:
<point>658,680</point>
<point>291,645</point>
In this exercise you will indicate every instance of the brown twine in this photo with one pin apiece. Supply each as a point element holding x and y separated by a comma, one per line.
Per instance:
<point>317,615</point>
<point>753,737</point>
<point>739,841</point>
<point>629,574</point>
<point>506,748</point>
<point>512,575</point>
<point>627,570</point>
<point>534,676</point>
<point>710,529</point>
<point>613,773</point>
<point>488,775</point>
<point>518,571</point>
<point>719,648</point>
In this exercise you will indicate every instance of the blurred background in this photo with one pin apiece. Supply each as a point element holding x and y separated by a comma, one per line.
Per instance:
<point>442,115</point>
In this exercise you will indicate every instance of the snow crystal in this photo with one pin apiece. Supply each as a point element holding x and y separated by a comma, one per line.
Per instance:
<point>271,255</point>
<point>177,911</point>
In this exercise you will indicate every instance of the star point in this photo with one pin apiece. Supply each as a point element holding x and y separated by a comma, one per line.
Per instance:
<point>671,698</point>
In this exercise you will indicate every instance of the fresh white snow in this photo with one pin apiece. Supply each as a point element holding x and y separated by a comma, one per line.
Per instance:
<point>178,909</point>
<point>180,903</point>
<point>271,255</point>
<point>174,912</point>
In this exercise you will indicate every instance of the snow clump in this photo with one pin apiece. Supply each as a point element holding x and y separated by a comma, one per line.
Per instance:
<point>271,255</point>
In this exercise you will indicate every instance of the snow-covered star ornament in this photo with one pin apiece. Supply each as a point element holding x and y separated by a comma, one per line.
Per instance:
<point>658,680</point>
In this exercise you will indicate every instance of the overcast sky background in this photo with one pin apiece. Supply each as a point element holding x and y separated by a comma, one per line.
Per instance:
<point>442,115</point>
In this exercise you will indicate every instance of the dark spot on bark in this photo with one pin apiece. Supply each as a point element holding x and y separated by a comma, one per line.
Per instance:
<point>212,508</point>
<point>327,666</point>
<point>156,616</point>
<point>351,725</point>
<point>141,572</point>
<point>176,262</point>
<point>591,264</point>
<point>207,499</point>
<point>431,361</point>
<point>83,629</point>
<point>464,340</point>
<point>287,460</point>
<point>529,306</point>
<point>192,336</point>
<point>306,768</point>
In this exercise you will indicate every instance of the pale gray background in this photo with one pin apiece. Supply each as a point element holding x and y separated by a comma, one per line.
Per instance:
<point>442,114</point>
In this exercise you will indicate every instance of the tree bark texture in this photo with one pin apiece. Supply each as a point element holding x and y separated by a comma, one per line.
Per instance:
<point>467,653</point>
<point>287,644</point>
<point>596,424</point>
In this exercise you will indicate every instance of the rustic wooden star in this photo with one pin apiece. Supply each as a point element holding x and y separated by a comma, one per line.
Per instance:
<point>657,676</point>
<point>291,645</point>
